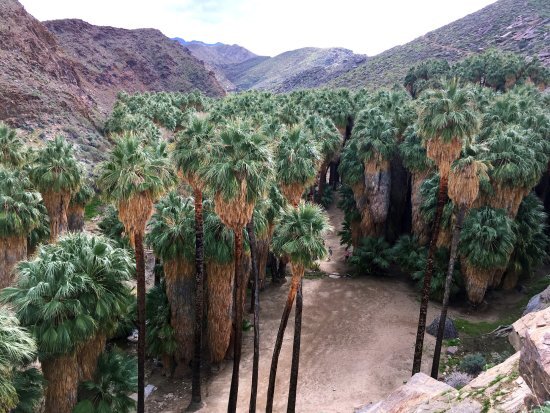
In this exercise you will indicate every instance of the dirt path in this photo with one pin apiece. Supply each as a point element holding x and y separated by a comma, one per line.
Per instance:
<point>357,344</point>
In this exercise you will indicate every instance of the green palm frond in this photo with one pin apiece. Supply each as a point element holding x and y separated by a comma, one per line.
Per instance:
<point>134,168</point>
<point>219,241</point>
<point>83,195</point>
<point>29,385</point>
<point>55,168</point>
<point>375,135</point>
<point>11,148</point>
<point>296,157</point>
<point>413,152</point>
<point>161,338</point>
<point>300,232</point>
<point>172,228</point>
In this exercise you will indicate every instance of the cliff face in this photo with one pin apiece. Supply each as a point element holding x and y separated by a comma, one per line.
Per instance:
<point>63,76</point>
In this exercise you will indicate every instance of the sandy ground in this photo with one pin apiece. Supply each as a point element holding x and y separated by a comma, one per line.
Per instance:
<point>357,344</point>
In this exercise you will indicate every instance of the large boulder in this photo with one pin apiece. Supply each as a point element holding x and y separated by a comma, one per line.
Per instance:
<point>528,322</point>
<point>534,364</point>
<point>450,329</point>
<point>538,302</point>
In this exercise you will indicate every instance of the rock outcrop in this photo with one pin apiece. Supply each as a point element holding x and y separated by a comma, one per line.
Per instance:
<point>517,385</point>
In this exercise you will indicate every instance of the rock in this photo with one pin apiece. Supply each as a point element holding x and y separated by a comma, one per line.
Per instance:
<point>527,322</point>
<point>133,338</point>
<point>534,364</point>
<point>450,329</point>
<point>538,302</point>
<point>148,390</point>
<point>452,350</point>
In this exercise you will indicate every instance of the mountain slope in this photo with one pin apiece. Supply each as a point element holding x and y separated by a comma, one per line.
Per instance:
<point>521,26</point>
<point>66,82</point>
<point>302,68</point>
<point>132,60</point>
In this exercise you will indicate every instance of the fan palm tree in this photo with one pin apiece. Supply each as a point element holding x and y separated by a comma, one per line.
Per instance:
<point>11,148</point>
<point>113,382</point>
<point>191,156</point>
<point>376,143</point>
<point>133,177</point>
<point>299,235</point>
<point>17,348</point>
<point>463,191</point>
<point>446,120</point>
<point>420,166</point>
<point>75,212</point>
<point>486,242</point>
<point>238,174</point>
<point>70,294</point>
<point>19,215</point>
<point>296,163</point>
<point>29,384</point>
<point>172,236</point>
<point>57,175</point>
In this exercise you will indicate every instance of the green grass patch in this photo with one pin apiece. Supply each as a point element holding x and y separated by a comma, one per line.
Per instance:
<point>93,208</point>
<point>315,275</point>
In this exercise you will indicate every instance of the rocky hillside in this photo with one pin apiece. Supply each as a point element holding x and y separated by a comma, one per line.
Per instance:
<point>63,76</point>
<point>297,69</point>
<point>521,26</point>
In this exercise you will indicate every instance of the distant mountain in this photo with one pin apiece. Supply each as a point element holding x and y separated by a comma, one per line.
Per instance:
<point>63,76</point>
<point>521,26</point>
<point>219,58</point>
<point>302,68</point>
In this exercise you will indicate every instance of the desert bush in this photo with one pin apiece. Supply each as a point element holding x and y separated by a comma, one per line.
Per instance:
<point>472,363</point>
<point>372,256</point>
<point>458,379</point>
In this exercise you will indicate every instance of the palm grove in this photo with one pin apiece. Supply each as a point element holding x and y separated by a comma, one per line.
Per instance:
<point>436,178</point>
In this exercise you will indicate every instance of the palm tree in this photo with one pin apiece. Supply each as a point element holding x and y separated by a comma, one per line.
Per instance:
<point>299,235</point>
<point>19,215</point>
<point>75,212</point>
<point>11,148</point>
<point>219,250</point>
<point>17,348</point>
<point>134,176</point>
<point>114,380</point>
<point>68,295</point>
<point>486,242</point>
<point>191,156</point>
<point>296,163</point>
<point>172,236</point>
<point>463,191</point>
<point>420,166</point>
<point>238,174</point>
<point>375,135</point>
<point>57,175</point>
<point>446,119</point>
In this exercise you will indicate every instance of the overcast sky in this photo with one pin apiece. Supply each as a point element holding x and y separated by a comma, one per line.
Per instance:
<point>270,27</point>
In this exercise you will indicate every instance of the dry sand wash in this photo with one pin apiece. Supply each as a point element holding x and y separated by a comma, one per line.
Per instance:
<point>357,344</point>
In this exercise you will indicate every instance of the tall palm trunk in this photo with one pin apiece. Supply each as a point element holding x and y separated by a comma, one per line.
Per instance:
<point>293,386</point>
<point>180,290</point>
<point>140,275</point>
<point>238,323</point>
<point>61,374</point>
<point>12,250</point>
<point>57,204</point>
<point>419,225</point>
<point>448,281</point>
<point>322,181</point>
<point>294,284</point>
<point>199,295</point>
<point>256,307</point>
<point>419,345</point>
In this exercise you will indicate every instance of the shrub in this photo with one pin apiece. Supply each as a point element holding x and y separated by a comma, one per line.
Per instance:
<point>408,254</point>
<point>472,363</point>
<point>372,256</point>
<point>458,379</point>
<point>327,198</point>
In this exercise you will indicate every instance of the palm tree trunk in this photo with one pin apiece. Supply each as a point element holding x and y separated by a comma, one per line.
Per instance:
<point>61,374</point>
<point>256,309</point>
<point>140,275</point>
<point>238,323</point>
<point>57,204</point>
<point>88,354</point>
<point>322,182</point>
<point>292,389</point>
<point>75,218</point>
<point>199,305</point>
<point>448,281</point>
<point>295,282</point>
<point>12,250</point>
<point>419,345</point>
